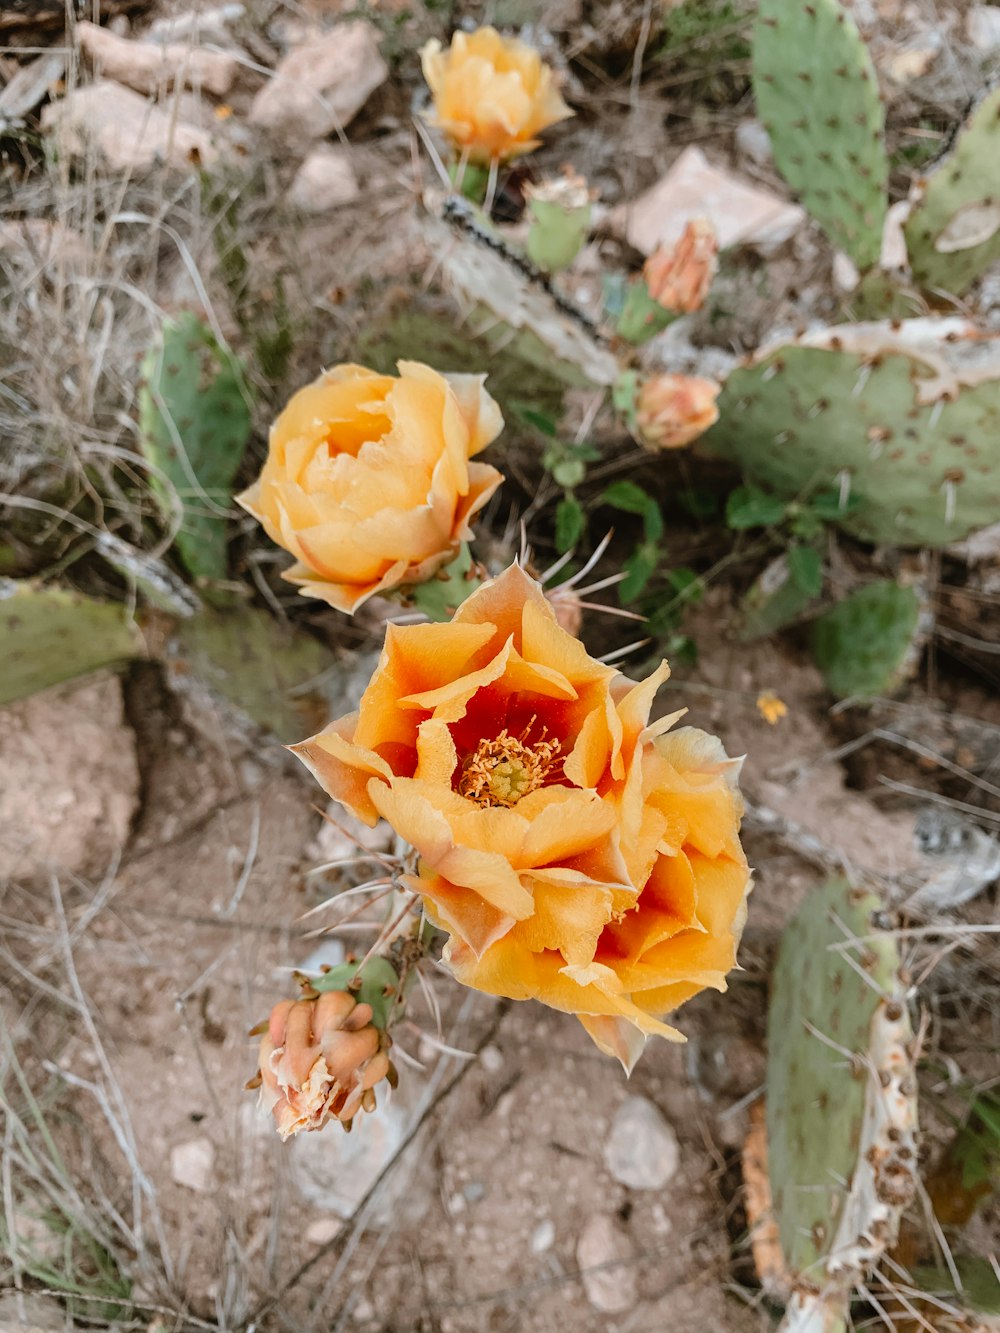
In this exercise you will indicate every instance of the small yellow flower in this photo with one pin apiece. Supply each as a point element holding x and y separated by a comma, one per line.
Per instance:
<point>771,708</point>
<point>492,95</point>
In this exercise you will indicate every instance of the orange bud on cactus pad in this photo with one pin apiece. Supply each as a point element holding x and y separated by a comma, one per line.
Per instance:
<point>320,1059</point>
<point>575,853</point>
<point>673,410</point>
<point>679,276</point>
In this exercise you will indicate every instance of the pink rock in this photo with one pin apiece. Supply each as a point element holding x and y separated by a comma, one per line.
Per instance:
<point>322,84</point>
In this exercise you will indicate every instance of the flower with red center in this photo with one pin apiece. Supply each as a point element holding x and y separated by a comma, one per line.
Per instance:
<point>575,853</point>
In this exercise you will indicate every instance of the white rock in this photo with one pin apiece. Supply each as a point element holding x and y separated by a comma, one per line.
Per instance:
<point>754,142</point>
<point>543,1237</point>
<point>323,1230</point>
<point>192,1163</point>
<point>126,130</point>
<point>609,1285</point>
<point>322,84</point>
<point>692,188</point>
<point>325,180</point>
<point>642,1150</point>
<point>22,93</point>
<point>983,26</point>
<point>491,1059</point>
<point>70,779</point>
<point>199,23</point>
<point>149,67</point>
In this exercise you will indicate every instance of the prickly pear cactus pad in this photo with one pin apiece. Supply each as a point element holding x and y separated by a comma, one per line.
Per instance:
<point>194,423</point>
<point>841,1096</point>
<point>870,642</point>
<point>51,634</point>
<point>953,231</point>
<point>819,100</point>
<point>903,418</point>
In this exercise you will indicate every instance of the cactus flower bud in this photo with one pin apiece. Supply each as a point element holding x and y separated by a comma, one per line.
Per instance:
<point>560,220</point>
<point>320,1058</point>
<point>673,410</point>
<point>679,277</point>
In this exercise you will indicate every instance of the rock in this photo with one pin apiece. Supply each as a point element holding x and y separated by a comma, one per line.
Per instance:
<point>70,779</point>
<point>23,1313</point>
<point>741,213</point>
<point>325,180</point>
<point>642,1150</point>
<point>129,133</point>
<point>323,83</point>
<point>196,25</point>
<point>609,1285</point>
<point>39,244</point>
<point>149,67</point>
<point>893,237</point>
<point>914,60</point>
<point>192,1163</point>
<point>543,1237</point>
<point>22,93</point>
<point>982,24</point>
<point>491,1059</point>
<point>754,142</point>
<point>323,1230</point>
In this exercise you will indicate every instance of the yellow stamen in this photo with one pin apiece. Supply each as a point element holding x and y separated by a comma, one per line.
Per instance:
<point>506,768</point>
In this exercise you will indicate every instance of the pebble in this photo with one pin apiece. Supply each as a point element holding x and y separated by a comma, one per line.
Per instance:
<point>323,1230</point>
<point>491,1059</point>
<point>149,67</point>
<point>754,142</point>
<point>322,84</point>
<point>983,26</point>
<point>324,181</point>
<point>642,1150</point>
<point>543,1237</point>
<point>127,132</point>
<point>191,1164</point>
<point>609,1285</point>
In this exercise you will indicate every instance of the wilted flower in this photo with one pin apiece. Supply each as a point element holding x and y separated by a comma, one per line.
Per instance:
<point>673,410</point>
<point>320,1059</point>
<point>679,276</point>
<point>575,854</point>
<point>492,95</point>
<point>771,708</point>
<point>368,481</point>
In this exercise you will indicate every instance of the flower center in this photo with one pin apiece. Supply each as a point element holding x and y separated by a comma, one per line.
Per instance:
<point>506,768</point>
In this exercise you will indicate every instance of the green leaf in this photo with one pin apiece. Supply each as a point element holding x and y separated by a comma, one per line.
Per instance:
<point>571,522</point>
<point>541,421</point>
<point>569,472</point>
<point>748,507</point>
<point>640,568</point>
<point>444,592</point>
<point>805,567</point>
<point>627,496</point>
<point>699,503</point>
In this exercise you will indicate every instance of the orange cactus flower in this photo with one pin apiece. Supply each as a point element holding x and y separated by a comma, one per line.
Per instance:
<point>575,853</point>
<point>320,1059</point>
<point>368,481</point>
<point>679,277</point>
<point>492,95</point>
<point>673,410</point>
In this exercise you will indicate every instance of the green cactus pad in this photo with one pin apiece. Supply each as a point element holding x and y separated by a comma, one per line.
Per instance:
<point>273,675</point>
<point>901,418</point>
<point>377,984</point>
<point>867,644</point>
<point>194,423</point>
<point>823,1000</point>
<point>51,635</point>
<point>444,592</point>
<point>774,600</point>
<point>953,231</point>
<point>818,98</point>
